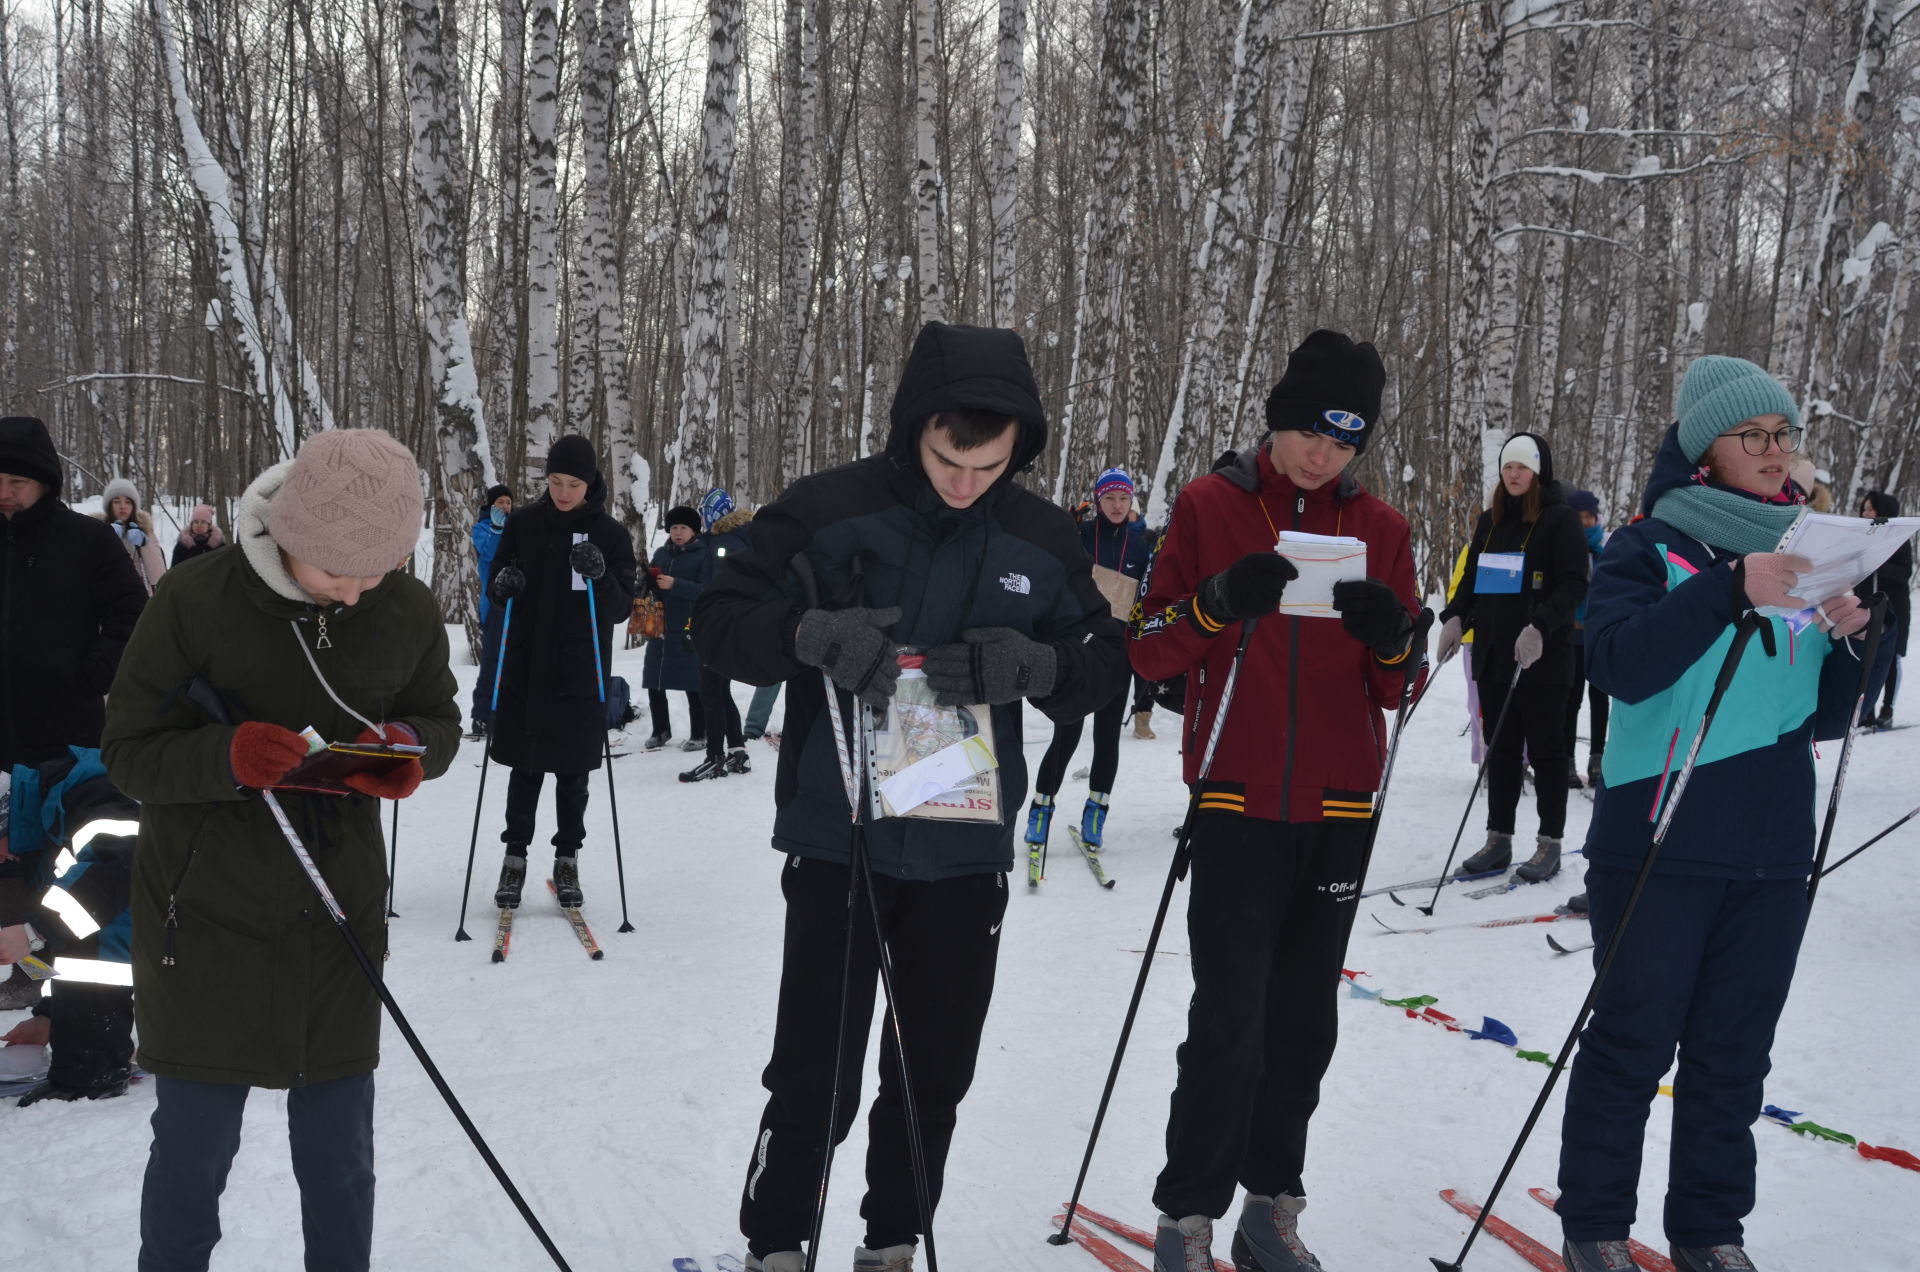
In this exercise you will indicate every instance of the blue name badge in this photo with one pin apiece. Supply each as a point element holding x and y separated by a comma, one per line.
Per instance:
<point>1499,573</point>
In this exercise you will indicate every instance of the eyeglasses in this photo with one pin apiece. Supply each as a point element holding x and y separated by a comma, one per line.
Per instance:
<point>1755,439</point>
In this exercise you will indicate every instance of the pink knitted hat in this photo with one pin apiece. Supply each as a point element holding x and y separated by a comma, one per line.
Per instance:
<point>350,504</point>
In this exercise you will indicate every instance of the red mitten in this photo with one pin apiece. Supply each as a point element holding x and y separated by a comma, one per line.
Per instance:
<point>261,754</point>
<point>397,783</point>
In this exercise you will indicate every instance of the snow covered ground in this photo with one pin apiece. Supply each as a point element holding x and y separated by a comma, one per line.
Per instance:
<point>622,1095</point>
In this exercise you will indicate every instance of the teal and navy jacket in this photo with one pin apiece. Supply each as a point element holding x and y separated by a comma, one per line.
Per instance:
<point>52,804</point>
<point>1660,619</point>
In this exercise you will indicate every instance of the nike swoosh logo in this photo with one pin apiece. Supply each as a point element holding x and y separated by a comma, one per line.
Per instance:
<point>995,929</point>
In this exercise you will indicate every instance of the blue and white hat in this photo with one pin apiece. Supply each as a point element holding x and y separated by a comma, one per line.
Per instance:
<point>1111,480</point>
<point>716,504</point>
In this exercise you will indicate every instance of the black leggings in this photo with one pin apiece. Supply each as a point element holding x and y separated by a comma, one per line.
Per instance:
<point>1106,749</point>
<point>1536,726</point>
<point>720,716</point>
<point>663,723</point>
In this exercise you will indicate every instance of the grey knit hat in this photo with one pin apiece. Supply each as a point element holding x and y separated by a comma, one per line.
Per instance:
<point>116,488</point>
<point>350,504</point>
<point>1719,393</point>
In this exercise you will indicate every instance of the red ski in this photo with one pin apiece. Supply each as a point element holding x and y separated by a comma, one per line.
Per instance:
<point>1100,1248</point>
<point>1139,1236</point>
<point>1519,1242</point>
<point>1646,1256</point>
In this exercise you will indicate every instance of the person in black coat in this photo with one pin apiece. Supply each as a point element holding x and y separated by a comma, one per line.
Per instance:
<point>1525,576</point>
<point>552,716</point>
<point>678,572</point>
<point>1895,578</point>
<point>928,555</point>
<point>726,743</point>
<point>200,536</point>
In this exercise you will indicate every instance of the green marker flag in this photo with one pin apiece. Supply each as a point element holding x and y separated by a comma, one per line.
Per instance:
<point>1823,1132</point>
<point>1538,1057</point>
<point>1411,1004</point>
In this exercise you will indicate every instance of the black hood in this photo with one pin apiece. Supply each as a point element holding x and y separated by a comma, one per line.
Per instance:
<point>966,368</point>
<point>1546,457</point>
<point>27,451</point>
<point>1885,504</point>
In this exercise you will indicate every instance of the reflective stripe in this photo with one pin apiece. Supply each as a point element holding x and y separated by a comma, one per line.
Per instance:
<point>93,971</point>
<point>64,861</point>
<point>103,826</point>
<point>71,912</point>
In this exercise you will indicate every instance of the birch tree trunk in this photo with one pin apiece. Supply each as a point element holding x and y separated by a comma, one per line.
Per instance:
<point>929,186</point>
<point>10,213</point>
<point>799,231</point>
<point>1474,429</point>
<point>1009,106</point>
<point>599,352</point>
<point>543,238</point>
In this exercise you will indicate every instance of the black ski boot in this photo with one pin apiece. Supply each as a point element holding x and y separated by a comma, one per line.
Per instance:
<point>711,767</point>
<point>1573,775</point>
<point>1597,1256</point>
<point>105,1087</point>
<point>566,883</point>
<point>656,741</point>
<point>737,761</point>
<point>1497,855</point>
<point>513,877</point>
<point>1720,1258</point>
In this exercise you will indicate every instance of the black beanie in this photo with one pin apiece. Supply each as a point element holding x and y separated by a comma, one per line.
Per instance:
<point>493,493</point>
<point>572,456</point>
<point>1331,386</point>
<point>27,451</point>
<point>683,516</point>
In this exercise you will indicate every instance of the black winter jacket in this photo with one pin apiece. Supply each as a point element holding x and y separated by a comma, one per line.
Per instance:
<point>1552,584</point>
<point>69,598</point>
<point>551,717</point>
<point>875,533</point>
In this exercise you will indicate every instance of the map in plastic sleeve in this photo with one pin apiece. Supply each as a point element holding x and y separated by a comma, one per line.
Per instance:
<point>934,762</point>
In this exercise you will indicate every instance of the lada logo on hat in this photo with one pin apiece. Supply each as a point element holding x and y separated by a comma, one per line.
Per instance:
<point>1346,420</point>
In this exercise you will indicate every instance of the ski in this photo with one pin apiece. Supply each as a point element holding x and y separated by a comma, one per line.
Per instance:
<point>1506,885</point>
<point>1517,1241</point>
<point>1419,885</point>
<point>721,1263</point>
<point>1100,1248</point>
<point>1092,855</point>
<point>1519,920</point>
<point>502,936</point>
<point>1139,1236</point>
<point>1568,949</point>
<point>1649,1259</point>
<point>580,928</point>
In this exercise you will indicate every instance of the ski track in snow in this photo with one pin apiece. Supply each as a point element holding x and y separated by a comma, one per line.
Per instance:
<point>623,1095</point>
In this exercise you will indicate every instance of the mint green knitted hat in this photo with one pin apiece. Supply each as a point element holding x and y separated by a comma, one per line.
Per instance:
<point>1718,393</point>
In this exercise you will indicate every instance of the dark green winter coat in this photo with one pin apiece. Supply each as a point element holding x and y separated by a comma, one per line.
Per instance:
<point>239,973</point>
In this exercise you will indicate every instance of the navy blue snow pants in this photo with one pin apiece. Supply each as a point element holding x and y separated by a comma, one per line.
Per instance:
<point>196,1132</point>
<point>1705,966</point>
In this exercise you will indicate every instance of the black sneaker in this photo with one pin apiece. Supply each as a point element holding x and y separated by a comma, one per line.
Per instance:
<point>713,766</point>
<point>656,741</point>
<point>513,877</point>
<point>566,883</point>
<point>737,761</point>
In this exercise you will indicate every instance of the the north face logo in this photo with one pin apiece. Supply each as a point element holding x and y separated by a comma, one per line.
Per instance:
<point>1017,583</point>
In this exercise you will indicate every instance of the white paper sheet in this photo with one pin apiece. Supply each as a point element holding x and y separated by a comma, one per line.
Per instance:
<point>1844,551</point>
<point>1323,560</point>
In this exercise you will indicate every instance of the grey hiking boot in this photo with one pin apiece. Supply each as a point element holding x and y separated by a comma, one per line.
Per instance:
<point>894,1258</point>
<point>785,1261</point>
<point>1268,1238</point>
<point>1720,1258</point>
<point>1183,1245</point>
<point>1597,1256</point>
<point>513,877</point>
<point>566,883</point>
<point>1497,855</point>
<point>1545,862</point>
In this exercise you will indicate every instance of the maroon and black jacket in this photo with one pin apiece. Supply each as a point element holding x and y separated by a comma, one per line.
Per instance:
<point>1305,738</point>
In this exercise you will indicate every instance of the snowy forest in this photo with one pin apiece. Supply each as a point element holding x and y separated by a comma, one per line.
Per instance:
<point>706,238</point>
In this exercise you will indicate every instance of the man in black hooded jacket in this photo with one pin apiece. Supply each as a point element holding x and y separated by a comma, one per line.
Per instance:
<point>929,545</point>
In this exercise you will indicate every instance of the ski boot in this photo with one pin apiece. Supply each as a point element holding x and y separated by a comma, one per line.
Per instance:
<point>1497,855</point>
<point>711,767</point>
<point>1143,725</point>
<point>478,731</point>
<point>1093,818</point>
<point>737,761</point>
<point>1039,822</point>
<point>513,877</point>
<point>784,1261</point>
<point>1720,1258</point>
<point>1545,862</point>
<point>105,1087</point>
<point>1576,904</point>
<point>1597,1256</point>
<point>694,744</point>
<point>566,882</point>
<point>1884,719</point>
<point>895,1258</point>
<point>1183,1245</point>
<point>1593,771</point>
<point>1573,776</point>
<point>656,741</point>
<point>1268,1238</point>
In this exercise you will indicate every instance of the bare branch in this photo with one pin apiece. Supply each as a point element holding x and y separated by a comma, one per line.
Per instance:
<point>1572,234</point>
<point>72,380</point>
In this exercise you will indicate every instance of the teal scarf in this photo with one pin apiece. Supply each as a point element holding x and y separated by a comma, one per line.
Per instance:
<point>1727,519</point>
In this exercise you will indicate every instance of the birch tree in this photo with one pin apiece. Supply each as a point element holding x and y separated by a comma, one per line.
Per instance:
<point>929,186</point>
<point>543,237</point>
<point>799,231</point>
<point>1009,106</point>
<point>599,352</point>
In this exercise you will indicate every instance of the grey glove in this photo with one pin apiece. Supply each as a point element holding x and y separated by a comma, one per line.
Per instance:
<point>587,560</point>
<point>1449,644</point>
<point>991,665</point>
<point>852,647</point>
<point>1527,646</point>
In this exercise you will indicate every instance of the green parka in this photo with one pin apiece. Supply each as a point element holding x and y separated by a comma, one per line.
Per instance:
<point>239,975</point>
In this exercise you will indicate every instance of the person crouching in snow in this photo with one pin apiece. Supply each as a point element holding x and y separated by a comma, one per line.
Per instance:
<point>239,979</point>
<point>1706,963</point>
<point>552,717</point>
<point>1281,827</point>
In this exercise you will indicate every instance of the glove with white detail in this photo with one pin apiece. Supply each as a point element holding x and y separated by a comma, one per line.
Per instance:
<point>990,665</point>
<point>853,648</point>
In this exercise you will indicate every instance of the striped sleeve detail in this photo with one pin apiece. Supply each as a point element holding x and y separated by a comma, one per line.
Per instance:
<point>1346,806</point>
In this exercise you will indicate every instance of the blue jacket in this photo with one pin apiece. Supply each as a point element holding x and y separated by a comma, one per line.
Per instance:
<point>1124,547</point>
<point>486,542</point>
<point>51,804</point>
<point>1660,619</point>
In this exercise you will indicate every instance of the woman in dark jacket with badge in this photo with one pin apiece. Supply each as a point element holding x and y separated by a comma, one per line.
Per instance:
<point>240,979</point>
<point>680,569</point>
<point>552,716</point>
<point>1526,574</point>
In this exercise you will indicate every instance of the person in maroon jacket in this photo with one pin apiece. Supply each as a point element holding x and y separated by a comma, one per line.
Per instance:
<point>1281,827</point>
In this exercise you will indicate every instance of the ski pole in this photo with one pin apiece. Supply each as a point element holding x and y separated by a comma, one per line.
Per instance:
<point>1408,702</point>
<point>613,803</point>
<point>1744,629</point>
<point>393,862</point>
<point>204,696</point>
<point>1876,622</point>
<point>1870,843</point>
<point>486,762</point>
<point>1513,687</point>
<point>1182,856</point>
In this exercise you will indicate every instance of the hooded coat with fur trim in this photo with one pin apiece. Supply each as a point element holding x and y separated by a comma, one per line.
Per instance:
<point>135,534</point>
<point>239,975</point>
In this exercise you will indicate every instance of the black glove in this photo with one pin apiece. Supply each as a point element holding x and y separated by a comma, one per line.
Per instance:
<point>992,665</point>
<point>508,582</point>
<point>1249,588</point>
<point>852,647</point>
<point>587,560</point>
<point>1374,616</point>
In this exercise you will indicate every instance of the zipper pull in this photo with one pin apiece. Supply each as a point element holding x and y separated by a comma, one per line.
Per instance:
<point>324,642</point>
<point>173,927</point>
<point>1299,504</point>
